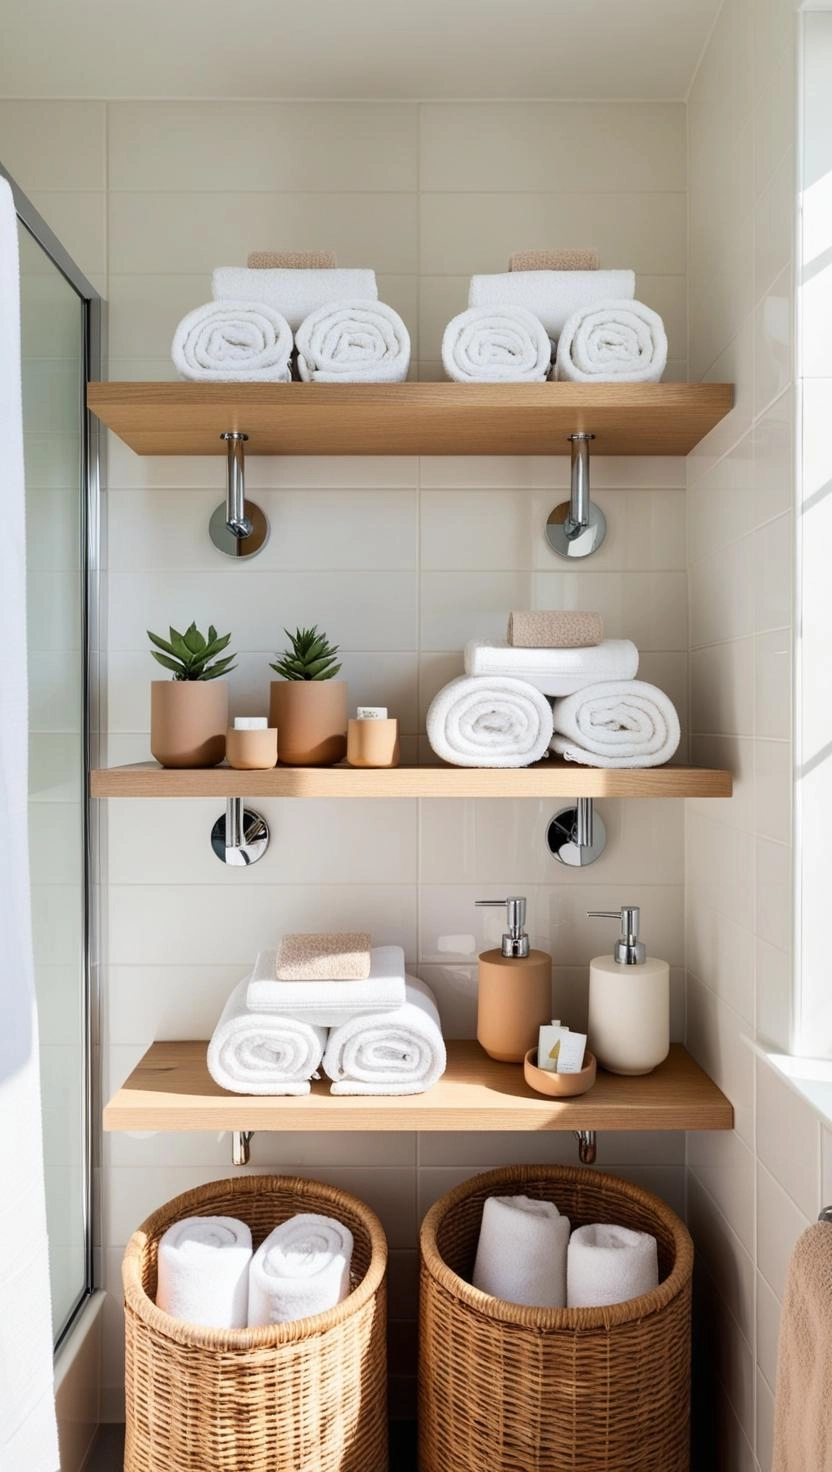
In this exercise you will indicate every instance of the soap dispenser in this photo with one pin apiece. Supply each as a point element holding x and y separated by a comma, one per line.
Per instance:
<point>629,1000</point>
<point>515,989</point>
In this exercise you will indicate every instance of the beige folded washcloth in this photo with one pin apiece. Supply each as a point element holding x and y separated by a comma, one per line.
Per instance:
<point>332,956</point>
<point>558,629</point>
<point>553,260</point>
<point>292,260</point>
<point>803,1405</point>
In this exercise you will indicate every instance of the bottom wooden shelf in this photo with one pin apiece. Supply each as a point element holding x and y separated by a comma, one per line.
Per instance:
<point>171,1089</point>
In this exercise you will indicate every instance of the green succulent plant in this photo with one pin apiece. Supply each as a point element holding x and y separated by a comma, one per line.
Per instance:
<point>311,656</point>
<point>191,656</point>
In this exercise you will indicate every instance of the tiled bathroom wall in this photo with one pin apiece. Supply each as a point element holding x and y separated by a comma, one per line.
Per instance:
<point>750,1193</point>
<point>400,560</point>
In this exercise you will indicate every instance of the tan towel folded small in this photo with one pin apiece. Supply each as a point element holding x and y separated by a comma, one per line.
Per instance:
<point>553,260</point>
<point>558,629</point>
<point>333,956</point>
<point>292,260</point>
<point>803,1405</point>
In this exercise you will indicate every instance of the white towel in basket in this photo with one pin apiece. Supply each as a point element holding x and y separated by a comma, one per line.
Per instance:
<point>202,1275</point>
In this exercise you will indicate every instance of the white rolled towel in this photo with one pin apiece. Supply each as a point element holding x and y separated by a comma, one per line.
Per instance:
<point>552,296</point>
<point>554,671</point>
<point>496,345</point>
<point>352,341</point>
<point>261,1052</point>
<point>495,721</point>
<point>521,1253</point>
<point>609,1264</point>
<point>612,341</point>
<point>294,293</point>
<point>616,723</point>
<point>396,1053</point>
<point>233,342</point>
<point>302,1268</point>
<point>202,1272</point>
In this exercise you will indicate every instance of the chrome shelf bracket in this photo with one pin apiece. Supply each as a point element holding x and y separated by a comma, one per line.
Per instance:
<point>241,1146</point>
<point>238,527</point>
<point>577,527</point>
<point>577,835</point>
<point>239,836</point>
<point>587,1146</point>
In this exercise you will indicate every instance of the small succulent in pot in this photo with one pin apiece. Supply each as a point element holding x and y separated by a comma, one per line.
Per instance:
<point>189,712</point>
<point>308,705</point>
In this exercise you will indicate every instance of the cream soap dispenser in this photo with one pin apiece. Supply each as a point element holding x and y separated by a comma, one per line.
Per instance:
<point>629,1001</point>
<point>515,989</point>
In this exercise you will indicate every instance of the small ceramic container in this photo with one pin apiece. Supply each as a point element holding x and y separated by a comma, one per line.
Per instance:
<point>373,743</point>
<point>559,1085</point>
<point>251,751</point>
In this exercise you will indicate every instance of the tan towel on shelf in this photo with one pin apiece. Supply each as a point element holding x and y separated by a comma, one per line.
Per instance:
<point>554,629</point>
<point>553,260</point>
<point>292,260</point>
<point>335,956</point>
<point>803,1406</point>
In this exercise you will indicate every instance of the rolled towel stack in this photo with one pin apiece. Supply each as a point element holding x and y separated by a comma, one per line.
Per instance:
<point>496,344</point>
<point>302,1268</point>
<point>233,342</point>
<point>353,341</point>
<point>553,671</point>
<point>397,1052</point>
<point>259,1052</point>
<point>617,723</point>
<point>612,339</point>
<point>494,721</point>
<point>203,1271</point>
<point>609,1264</point>
<point>521,1252</point>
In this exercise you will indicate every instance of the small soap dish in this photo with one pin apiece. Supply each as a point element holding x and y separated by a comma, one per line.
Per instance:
<point>559,1085</point>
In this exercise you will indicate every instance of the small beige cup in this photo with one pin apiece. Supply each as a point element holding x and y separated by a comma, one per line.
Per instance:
<point>373,743</point>
<point>251,751</point>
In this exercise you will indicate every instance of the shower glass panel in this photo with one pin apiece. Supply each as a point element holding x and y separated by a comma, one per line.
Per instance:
<point>53,342</point>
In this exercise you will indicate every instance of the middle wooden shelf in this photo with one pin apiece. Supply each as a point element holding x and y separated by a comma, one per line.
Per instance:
<point>549,779</point>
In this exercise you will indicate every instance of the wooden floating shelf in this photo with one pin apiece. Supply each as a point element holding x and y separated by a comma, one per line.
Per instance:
<point>547,779</point>
<point>410,418</point>
<point>171,1089</point>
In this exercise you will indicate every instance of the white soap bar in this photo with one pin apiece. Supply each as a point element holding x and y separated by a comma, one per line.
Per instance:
<point>371,713</point>
<point>250,723</point>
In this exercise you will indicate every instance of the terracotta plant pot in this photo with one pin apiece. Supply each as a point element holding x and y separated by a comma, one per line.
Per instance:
<point>188,721</point>
<point>311,720</point>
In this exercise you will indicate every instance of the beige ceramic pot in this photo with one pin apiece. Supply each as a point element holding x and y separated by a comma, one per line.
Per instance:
<point>373,743</point>
<point>251,751</point>
<point>188,720</point>
<point>311,720</point>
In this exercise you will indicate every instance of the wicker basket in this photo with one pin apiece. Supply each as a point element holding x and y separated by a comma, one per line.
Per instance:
<point>309,1396</point>
<point>504,1388</point>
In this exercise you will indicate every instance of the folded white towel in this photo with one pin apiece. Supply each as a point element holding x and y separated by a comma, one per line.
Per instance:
<point>612,341</point>
<point>521,1253</point>
<point>398,1052</point>
<point>554,671</point>
<point>619,723</point>
<point>490,722</point>
<point>302,1268</point>
<point>328,1003</point>
<point>233,342</point>
<point>294,293</point>
<point>496,345</point>
<point>552,296</point>
<point>263,1053</point>
<point>608,1264</point>
<point>353,341</point>
<point>202,1273</point>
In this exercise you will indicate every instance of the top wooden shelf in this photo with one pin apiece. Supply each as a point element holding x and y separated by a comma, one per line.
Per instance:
<point>410,418</point>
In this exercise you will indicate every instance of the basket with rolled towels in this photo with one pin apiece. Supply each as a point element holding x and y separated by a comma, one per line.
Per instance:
<point>342,332</point>
<point>331,1001</point>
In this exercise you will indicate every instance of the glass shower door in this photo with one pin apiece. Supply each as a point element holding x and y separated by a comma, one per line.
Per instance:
<point>53,361</point>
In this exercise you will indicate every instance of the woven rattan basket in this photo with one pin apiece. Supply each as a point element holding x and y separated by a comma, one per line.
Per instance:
<point>309,1396</point>
<point>509,1389</point>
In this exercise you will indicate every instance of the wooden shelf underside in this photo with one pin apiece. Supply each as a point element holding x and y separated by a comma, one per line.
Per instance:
<point>548,779</point>
<point>410,418</point>
<point>171,1089</point>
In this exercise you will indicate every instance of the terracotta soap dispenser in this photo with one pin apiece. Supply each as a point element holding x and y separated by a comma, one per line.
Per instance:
<point>515,989</point>
<point>629,1001</point>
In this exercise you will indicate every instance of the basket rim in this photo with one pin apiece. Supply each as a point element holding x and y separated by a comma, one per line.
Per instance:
<point>500,1310</point>
<point>199,1336</point>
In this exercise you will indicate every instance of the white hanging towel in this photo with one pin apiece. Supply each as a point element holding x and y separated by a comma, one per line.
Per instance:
<point>397,1052</point>
<point>521,1253</point>
<point>202,1273</point>
<point>28,1429</point>
<point>496,345</point>
<point>233,342</point>
<point>552,296</point>
<point>262,1052</point>
<point>302,1268</point>
<point>293,293</point>
<point>612,342</point>
<point>490,722</point>
<point>353,342</point>
<point>609,1264</point>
